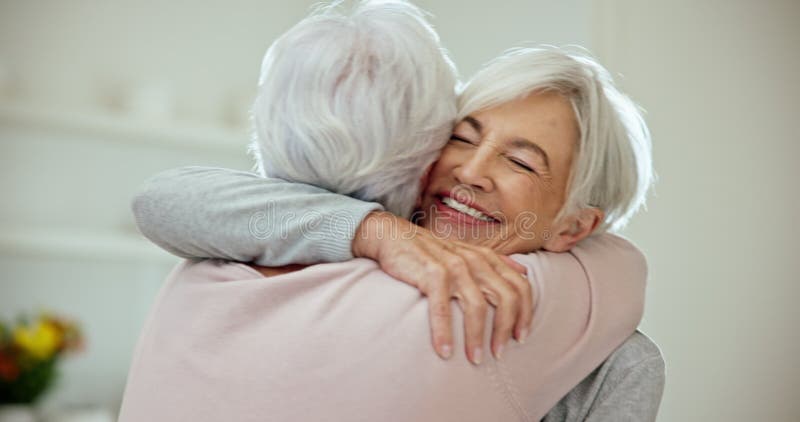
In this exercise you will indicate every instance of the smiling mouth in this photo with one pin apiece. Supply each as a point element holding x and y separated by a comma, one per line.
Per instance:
<point>465,209</point>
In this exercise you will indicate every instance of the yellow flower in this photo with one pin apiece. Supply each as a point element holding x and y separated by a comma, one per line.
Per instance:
<point>40,340</point>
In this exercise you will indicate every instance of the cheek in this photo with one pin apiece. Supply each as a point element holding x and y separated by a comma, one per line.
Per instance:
<point>528,203</point>
<point>444,165</point>
<point>448,153</point>
<point>520,194</point>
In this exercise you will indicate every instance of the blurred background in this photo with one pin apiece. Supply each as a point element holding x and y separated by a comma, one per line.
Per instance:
<point>95,96</point>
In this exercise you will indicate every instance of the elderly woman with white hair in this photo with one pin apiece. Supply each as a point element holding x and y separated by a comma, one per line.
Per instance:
<point>546,152</point>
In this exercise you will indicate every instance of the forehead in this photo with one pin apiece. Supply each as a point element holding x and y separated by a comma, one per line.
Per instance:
<point>542,113</point>
<point>545,118</point>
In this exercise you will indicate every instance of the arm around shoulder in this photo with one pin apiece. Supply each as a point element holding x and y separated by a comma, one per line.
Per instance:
<point>617,274</point>
<point>609,270</point>
<point>588,302</point>
<point>203,212</point>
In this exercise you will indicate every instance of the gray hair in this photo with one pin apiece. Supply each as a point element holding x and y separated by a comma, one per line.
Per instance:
<point>358,103</point>
<point>612,168</point>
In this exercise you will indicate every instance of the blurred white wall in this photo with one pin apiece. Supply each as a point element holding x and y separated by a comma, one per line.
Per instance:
<point>95,96</point>
<point>719,80</point>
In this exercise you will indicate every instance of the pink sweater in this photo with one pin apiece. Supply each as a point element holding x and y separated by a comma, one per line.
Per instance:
<point>346,342</point>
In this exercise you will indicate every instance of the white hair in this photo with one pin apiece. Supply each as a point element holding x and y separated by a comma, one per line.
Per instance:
<point>358,103</point>
<point>612,167</point>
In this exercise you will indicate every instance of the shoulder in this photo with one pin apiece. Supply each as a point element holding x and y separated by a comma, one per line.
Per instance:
<point>627,386</point>
<point>615,244</point>
<point>635,367</point>
<point>606,251</point>
<point>637,351</point>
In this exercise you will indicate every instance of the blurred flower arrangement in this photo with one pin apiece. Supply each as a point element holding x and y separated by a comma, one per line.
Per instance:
<point>29,353</point>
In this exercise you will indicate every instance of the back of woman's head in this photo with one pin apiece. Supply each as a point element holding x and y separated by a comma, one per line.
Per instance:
<point>612,168</point>
<point>359,103</point>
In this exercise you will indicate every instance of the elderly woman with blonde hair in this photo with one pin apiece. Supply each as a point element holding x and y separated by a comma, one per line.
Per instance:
<point>353,112</point>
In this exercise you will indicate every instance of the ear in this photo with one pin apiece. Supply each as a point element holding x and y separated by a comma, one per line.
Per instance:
<point>574,228</point>
<point>423,183</point>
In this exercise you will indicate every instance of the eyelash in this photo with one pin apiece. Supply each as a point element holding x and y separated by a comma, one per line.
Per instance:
<point>460,139</point>
<point>517,162</point>
<point>522,165</point>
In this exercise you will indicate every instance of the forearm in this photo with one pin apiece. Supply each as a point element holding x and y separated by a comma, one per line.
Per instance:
<point>616,273</point>
<point>588,302</point>
<point>200,212</point>
<point>612,272</point>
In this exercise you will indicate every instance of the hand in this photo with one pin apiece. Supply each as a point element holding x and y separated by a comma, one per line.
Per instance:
<point>442,269</point>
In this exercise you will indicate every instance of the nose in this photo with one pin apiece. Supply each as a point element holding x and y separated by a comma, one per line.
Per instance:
<point>475,168</point>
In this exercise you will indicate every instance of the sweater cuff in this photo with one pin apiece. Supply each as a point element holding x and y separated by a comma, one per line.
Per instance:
<point>338,230</point>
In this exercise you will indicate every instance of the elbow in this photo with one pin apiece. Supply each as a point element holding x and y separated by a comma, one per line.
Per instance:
<point>142,206</point>
<point>152,202</point>
<point>153,195</point>
<point>139,205</point>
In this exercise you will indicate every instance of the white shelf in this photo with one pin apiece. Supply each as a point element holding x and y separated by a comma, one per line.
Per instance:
<point>118,127</point>
<point>80,243</point>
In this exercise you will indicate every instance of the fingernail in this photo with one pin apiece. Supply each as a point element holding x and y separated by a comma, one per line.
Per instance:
<point>499,352</point>
<point>523,333</point>
<point>476,355</point>
<point>447,351</point>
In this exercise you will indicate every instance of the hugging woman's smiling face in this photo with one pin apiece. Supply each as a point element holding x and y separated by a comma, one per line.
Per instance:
<point>502,178</point>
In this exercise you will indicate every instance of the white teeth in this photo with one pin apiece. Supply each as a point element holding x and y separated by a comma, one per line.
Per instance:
<point>472,212</point>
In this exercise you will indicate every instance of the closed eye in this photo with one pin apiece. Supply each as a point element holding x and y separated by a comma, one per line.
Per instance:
<point>460,139</point>
<point>522,165</point>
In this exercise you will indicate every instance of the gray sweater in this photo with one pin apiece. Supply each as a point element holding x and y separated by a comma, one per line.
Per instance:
<point>626,387</point>
<point>198,212</point>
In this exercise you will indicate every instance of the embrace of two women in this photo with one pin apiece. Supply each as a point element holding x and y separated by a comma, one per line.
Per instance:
<point>411,249</point>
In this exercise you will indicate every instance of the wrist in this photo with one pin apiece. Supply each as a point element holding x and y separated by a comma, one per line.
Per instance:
<point>370,233</point>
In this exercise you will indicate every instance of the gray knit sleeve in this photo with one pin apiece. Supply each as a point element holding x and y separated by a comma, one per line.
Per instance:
<point>627,387</point>
<point>635,396</point>
<point>201,212</point>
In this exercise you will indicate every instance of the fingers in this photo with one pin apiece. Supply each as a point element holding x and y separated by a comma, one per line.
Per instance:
<point>414,264</point>
<point>441,320</point>
<point>523,326</point>
<point>520,283</point>
<point>516,266</point>
<point>523,292</point>
<point>435,284</point>
<point>472,302</point>
<point>502,295</point>
<point>474,306</point>
<point>505,317</point>
<point>476,277</point>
